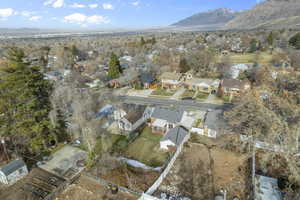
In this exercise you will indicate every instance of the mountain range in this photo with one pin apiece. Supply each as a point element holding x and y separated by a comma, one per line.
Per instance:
<point>270,14</point>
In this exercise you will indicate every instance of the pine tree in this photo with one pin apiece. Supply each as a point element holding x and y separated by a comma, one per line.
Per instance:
<point>270,39</point>
<point>143,42</point>
<point>114,67</point>
<point>24,103</point>
<point>183,66</point>
<point>295,41</point>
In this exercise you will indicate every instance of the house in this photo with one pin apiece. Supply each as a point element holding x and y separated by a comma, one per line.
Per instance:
<point>171,80</point>
<point>13,171</point>
<point>163,119</point>
<point>131,116</point>
<point>147,80</point>
<point>235,70</point>
<point>105,111</point>
<point>174,137</point>
<point>213,122</point>
<point>233,86</point>
<point>266,188</point>
<point>202,85</point>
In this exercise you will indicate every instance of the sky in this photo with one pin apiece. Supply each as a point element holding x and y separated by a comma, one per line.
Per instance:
<point>64,14</point>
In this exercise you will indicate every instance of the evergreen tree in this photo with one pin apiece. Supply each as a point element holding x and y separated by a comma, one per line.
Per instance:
<point>270,39</point>
<point>295,41</point>
<point>253,46</point>
<point>114,67</point>
<point>143,42</point>
<point>183,66</point>
<point>24,103</point>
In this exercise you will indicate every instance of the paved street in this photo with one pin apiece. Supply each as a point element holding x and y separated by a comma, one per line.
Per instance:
<point>170,102</point>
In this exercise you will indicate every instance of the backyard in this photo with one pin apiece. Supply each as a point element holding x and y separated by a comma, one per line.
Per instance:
<point>146,149</point>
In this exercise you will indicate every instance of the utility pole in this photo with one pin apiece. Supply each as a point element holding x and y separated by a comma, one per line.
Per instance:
<point>4,149</point>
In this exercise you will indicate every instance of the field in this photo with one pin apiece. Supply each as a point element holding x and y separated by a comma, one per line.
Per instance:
<point>88,189</point>
<point>145,149</point>
<point>248,58</point>
<point>201,175</point>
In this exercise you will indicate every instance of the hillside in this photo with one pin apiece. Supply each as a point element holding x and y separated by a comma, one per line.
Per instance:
<point>214,18</point>
<point>271,14</point>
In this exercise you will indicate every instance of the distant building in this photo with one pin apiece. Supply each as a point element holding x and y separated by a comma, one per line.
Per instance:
<point>13,171</point>
<point>266,188</point>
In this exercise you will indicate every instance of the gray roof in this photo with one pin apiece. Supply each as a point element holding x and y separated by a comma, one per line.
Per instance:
<point>171,115</point>
<point>176,135</point>
<point>214,119</point>
<point>134,112</point>
<point>12,166</point>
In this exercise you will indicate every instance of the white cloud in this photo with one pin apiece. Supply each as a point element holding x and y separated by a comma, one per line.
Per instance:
<point>48,2</point>
<point>76,5</point>
<point>107,6</point>
<point>54,3</point>
<point>92,6</point>
<point>81,19</point>
<point>35,18</point>
<point>6,12</point>
<point>26,13</point>
<point>97,19</point>
<point>136,3</point>
<point>58,4</point>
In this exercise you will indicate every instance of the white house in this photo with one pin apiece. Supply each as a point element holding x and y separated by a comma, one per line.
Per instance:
<point>131,116</point>
<point>13,171</point>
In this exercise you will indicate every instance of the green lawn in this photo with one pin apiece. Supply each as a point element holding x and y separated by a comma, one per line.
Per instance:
<point>202,96</point>
<point>188,93</point>
<point>162,92</point>
<point>145,149</point>
<point>237,58</point>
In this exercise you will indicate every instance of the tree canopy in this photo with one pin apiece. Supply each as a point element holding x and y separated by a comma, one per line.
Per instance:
<point>114,67</point>
<point>295,41</point>
<point>24,103</point>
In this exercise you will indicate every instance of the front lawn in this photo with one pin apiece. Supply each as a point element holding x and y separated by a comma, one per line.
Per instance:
<point>145,149</point>
<point>202,96</point>
<point>188,93</point>
<point>162,92</point>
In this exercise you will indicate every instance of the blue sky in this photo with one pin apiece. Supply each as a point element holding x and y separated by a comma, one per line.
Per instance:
<point>106,13</point>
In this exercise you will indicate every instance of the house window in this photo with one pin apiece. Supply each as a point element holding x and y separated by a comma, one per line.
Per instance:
<point>171,126</point>
<point>21,171</point>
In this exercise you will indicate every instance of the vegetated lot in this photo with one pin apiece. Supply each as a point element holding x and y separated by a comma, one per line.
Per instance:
<point>188,93</point>
<point>200,172</point>
<point>88,189</point>
<point>202,96</point>
<point>162,92</point>
<point>146,149</point>
<point>248,58</point>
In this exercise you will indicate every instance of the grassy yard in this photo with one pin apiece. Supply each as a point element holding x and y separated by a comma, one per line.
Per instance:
<point>162,92</point>
<point>247,58</point>
<point>188,93</point>
<point>202,96</point>
<point>144,149</point>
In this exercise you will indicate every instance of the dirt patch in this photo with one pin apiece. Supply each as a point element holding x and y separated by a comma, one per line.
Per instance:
<point>199,173</point>
<point>88,189</point>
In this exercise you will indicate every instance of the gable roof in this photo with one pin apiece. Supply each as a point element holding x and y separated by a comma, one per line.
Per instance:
<point>12,166</point>
<point>214,120</point>
<point>146,78</point>
<point>134,112</point>
<point>170,76</point>
<point>176,135</point>
<point>171,115</point>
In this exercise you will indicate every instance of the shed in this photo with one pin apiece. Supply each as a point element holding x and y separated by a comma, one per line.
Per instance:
<point>13,171</point>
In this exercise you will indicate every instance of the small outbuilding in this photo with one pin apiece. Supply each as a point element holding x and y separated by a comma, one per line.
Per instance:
<point>13,172</point>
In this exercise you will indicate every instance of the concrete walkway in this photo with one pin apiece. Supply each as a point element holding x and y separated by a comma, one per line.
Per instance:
<point>178,93</point>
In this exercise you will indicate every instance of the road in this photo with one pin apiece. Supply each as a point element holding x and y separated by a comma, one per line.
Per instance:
<point>187,104</point>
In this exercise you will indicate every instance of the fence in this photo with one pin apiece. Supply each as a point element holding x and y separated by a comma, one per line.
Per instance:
<point>157,183</point>
<point>104,182</point>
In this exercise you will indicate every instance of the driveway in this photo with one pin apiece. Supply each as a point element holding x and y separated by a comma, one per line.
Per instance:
<point>178,93</point>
